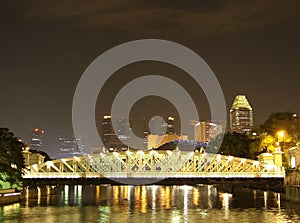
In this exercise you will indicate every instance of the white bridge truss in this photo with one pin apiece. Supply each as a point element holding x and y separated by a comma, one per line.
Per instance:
<point>154,164</point>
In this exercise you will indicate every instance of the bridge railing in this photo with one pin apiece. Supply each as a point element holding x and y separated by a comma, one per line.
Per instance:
<point>162,164</point>
<point>158,175</point>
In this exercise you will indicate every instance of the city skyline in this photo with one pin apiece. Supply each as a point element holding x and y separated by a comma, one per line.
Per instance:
<point>253,49</point>
<point>241,115</point>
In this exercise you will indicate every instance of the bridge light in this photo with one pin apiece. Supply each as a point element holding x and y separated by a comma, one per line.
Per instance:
<point>115,153</point>
<point>280,134</point>
<point>230,158</point>
<point>191,153</point>
<point>102,155</point>
<point>169,152</point>
<point>140,152</point>
<point>256,163</point>
<point>128,153</point>
<point>218,157</point>
<point>243,160</point>
<point>153,152</point>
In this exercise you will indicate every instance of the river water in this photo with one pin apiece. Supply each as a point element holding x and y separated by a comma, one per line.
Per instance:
<point>106,203</point>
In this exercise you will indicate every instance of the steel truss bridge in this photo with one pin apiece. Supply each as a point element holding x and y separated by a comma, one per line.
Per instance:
<point>153,164</point>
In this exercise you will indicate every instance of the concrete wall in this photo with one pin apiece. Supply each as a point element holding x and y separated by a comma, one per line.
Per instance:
<point>292,179</point>
<point>292,193</point>
<point>4,200</point>
<point>292,186</point>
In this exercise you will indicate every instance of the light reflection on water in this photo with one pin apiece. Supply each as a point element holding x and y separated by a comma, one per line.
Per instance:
<point>105,203</point>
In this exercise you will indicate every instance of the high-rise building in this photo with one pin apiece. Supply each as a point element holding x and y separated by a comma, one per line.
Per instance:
<point>113,141</point>
<point>170,125</point>
<point>36,139</point>
<point>241,115</point>
<point>123,133</point>
<point>70,146</point>
<point>146,131</point>
<point>204,131</point>
<point>166,127</point>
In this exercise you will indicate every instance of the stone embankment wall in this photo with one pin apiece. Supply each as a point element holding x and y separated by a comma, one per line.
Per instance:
<point>9,196</point>
<point>292,186</point>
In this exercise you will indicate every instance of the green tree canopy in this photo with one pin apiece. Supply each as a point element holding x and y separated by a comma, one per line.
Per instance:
<point>11,159</point>
<point>287,123</point>
<point>237,144</point>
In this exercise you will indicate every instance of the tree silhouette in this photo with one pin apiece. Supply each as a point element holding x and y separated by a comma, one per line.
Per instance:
<point>11,159</point>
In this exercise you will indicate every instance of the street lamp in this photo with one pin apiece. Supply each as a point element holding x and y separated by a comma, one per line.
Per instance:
<point>281,134</point>
<point>278,151</point>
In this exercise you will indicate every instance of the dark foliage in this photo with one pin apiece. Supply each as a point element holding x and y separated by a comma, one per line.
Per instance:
<point>11,157</point>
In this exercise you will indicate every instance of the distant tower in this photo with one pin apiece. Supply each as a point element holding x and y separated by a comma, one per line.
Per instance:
<point>110,138</point>
<point>70,146</point>
<point>170,125</point>
<point>204,131</point>
<point>36,139</point>
<point>146,131</point>
<point>108,134</point>
<point>241,115</point>
<point>124,134</point>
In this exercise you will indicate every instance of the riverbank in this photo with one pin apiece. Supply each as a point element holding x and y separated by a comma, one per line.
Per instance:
<point>9,196</point>
<point>292,186</point>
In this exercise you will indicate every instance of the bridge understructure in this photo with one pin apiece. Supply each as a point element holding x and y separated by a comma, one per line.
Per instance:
<point>175,167</point>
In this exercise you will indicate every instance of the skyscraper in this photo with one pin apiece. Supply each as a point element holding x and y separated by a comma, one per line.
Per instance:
<point>204,131</point>
<point>157,128</point>
<point>146,132</point>
<point>70,146</point>
<point>36,139</point>
<point>241,115</point>
<point>170,125</point>
<point>111,139</point>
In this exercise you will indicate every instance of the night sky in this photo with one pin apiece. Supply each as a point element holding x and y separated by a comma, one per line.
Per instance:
<point>252,47</point>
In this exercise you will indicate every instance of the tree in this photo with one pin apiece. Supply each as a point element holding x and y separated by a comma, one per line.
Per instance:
<point>11,159</point>
<point>286,123</point>
<point>237,144</point>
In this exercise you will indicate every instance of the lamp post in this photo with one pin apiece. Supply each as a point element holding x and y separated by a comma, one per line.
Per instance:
<point>278,151</point>
<point>280,135</point>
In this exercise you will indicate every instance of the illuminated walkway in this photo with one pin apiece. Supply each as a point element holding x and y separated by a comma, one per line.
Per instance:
<point>153,164</point>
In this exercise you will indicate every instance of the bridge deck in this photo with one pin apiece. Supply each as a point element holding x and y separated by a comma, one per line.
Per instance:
<point>154,164</point>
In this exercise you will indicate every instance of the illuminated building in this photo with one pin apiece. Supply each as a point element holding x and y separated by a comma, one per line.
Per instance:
<point>170,125</point>
<point>123,133</point>
<point>241,115</point>
<point>36,139</point>
<point>111,140</point>
<point>164,128</point>
<point>70,146</point>
<point>163,132</point>
<point>155,141</point>
<point>146,131</point>
<point>204,131</point>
